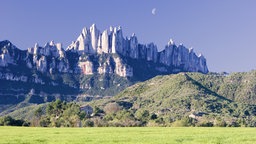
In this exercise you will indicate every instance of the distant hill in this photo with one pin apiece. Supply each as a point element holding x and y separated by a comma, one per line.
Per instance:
<point>202,97</point>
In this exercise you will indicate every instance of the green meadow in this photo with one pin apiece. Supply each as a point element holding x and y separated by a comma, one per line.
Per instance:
<point>145,135</point>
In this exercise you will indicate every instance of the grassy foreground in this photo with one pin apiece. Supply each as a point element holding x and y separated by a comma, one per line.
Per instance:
<point>127,135</point>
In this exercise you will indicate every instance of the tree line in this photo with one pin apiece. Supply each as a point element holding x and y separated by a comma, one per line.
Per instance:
<point>62,114</point>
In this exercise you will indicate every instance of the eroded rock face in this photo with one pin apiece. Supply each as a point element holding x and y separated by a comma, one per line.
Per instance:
<point>112,41</point>
<point>105,42</point>
<point>107,65</point>
<point>86,67</point>
<point>94,38</point>
<point>180,56</point>
<point>151,51</point>
<point>117,41</point>
<point>42,64</point>
<point>9,54</point>
<point>111,53</point>
<point>121,69</point>
<point>50,58</point>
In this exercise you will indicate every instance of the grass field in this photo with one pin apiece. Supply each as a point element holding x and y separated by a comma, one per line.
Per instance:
<point>127,135</point>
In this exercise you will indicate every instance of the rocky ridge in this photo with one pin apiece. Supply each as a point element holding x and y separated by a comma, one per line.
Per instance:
<point>111,41</point>
<point>96,64</point>
<point>53,58</point>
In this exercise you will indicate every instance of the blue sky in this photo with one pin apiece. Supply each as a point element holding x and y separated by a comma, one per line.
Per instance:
<point>224,31</point>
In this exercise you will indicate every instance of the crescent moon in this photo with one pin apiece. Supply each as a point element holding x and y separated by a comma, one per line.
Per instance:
<point>154,11</point>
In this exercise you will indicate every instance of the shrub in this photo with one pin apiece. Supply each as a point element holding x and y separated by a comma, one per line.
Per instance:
<point>89,123</point>
<point>112,108</point>
<point>205,124</point>
<point>142,114</point>
<point>153,116</point>
<point>44,121</point>
<point>9,121</point>
<point>184,122</point>
<point>220,123</point>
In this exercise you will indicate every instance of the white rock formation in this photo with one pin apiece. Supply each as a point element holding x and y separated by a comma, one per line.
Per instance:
<point>42,64</point>
<point>111,50</point>
<point>134,52</point>
<point>94,38</point>
<point>5,58</point>
<point>105,42</point>
<point>182,58</point>
<point>83,42</point>
<point>49,49</point>
<point>117,40</point>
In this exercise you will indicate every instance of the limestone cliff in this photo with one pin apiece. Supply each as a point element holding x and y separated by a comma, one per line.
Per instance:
<point>112,42</point>
<point>95,53</point>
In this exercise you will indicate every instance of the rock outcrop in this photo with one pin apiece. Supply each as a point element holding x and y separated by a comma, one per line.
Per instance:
<point>50,58</point>
<point>180,56</point>
<point>112,42</point>
<point>9,54</point>
<point>103,53</point>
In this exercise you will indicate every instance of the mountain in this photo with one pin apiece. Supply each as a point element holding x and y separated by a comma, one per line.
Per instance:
<point>95,65</point>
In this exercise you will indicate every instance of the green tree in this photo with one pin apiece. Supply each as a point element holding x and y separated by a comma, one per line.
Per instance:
<point>142,115</point>
<point>45,121</point>
<point>9,121</point>
<point>184,122</point>
<point>89,123</point>
<point>38,112</point>
<point>218,122</point>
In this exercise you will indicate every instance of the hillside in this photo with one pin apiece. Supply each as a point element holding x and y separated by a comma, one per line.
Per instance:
<point>184,99</point>
<point>238,87</point>
<point>202,97</point>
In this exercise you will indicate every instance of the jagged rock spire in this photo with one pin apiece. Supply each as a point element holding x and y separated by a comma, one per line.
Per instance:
<point>112,41</point>
<point>92,42</point>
